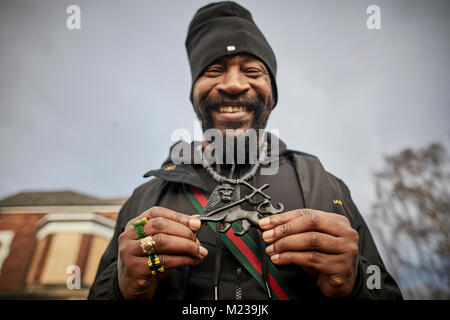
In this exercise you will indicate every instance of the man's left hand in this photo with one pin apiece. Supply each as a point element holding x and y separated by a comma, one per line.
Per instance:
<point>323,243</point>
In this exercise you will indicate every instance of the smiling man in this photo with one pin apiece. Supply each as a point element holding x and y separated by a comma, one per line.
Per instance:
<point>234,92</point>
<point>224,229</point>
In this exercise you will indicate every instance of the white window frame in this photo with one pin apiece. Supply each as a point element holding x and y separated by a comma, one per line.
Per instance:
<point>6,237</point>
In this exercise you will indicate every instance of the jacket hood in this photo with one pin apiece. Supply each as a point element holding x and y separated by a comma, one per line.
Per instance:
<point>187,172</point>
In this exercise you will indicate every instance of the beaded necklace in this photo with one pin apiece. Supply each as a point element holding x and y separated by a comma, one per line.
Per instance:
<point>250,174</point>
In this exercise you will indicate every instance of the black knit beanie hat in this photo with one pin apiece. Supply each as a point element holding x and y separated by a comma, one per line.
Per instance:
<point>226,28</point>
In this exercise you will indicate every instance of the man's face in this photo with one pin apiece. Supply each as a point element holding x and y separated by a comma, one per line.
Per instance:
<point>234,92</point>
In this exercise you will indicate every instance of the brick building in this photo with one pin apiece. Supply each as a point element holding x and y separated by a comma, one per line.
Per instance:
<point>51,243</point>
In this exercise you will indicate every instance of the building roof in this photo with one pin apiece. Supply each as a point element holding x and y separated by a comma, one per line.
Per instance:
<point>56,198</point>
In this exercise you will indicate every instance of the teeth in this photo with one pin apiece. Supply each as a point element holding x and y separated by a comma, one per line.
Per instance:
<point>231,109</point>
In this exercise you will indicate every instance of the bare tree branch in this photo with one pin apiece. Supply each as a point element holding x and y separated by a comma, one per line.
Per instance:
<point>411,219</point>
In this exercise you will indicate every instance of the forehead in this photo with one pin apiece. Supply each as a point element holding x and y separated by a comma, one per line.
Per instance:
<point>240,58</point>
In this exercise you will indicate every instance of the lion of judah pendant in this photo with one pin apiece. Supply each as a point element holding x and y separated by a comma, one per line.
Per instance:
<point>224,206</point>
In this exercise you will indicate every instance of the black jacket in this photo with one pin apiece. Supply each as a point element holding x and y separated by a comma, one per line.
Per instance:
<point>301,182</point>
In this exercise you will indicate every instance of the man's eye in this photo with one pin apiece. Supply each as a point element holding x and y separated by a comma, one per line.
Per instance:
<point>213,71</point>
<point>253,72</point>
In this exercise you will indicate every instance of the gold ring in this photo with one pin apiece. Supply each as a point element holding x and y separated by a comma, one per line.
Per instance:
<point>148,245</point>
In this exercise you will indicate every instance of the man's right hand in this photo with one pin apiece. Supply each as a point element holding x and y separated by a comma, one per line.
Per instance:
<point>176,246</point>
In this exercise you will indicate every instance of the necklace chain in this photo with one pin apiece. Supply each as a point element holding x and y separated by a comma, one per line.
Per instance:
<point>250,174</point>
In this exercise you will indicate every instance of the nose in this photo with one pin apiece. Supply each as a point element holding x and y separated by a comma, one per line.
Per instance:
<point>233,82</point>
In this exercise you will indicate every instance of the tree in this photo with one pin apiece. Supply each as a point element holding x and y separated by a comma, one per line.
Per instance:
<point>411,220</point>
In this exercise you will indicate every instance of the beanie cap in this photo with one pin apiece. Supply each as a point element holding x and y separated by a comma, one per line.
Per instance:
<point>226,28</point>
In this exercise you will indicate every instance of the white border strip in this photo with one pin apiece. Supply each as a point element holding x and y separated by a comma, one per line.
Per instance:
<point>87,223</point>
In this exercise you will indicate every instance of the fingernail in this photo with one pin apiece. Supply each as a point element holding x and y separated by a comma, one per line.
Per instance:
<point>202,251</point>
<point>275,257</point>
<point>264,222</point>
<point>194,223</point>
<point>269,249</point>
<point>268,235</point>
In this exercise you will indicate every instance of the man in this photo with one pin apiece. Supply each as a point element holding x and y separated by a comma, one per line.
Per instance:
<point>319,245</point>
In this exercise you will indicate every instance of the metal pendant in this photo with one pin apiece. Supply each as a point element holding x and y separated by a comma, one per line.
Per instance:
<point>224,205</point>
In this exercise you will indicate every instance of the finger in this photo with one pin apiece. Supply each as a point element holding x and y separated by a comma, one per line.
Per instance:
<point>275,220</point>
<point>322,262</point>
<point>139,217</point>
<point>169,244</point>
<point>192,222</point>
<point>310,221</point>
<point>176,261</point>
<point>308,241</point>
<point>140,268</point>
<point>164,225</point>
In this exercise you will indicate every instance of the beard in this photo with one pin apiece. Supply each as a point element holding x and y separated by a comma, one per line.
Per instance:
<point>255,105</point>
<point>238,146</point>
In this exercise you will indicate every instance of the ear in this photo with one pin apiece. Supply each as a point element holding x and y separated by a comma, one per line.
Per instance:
<point>269,109</point>
<point>198,112</point>
<point>195,102</point>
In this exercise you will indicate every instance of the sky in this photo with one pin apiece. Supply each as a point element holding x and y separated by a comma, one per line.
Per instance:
<point>93,109</point>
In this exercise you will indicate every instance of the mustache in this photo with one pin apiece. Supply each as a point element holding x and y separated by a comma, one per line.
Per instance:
<point>214,103</point>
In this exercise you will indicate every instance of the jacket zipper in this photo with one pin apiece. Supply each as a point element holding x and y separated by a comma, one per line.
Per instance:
<point>238,291</point>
